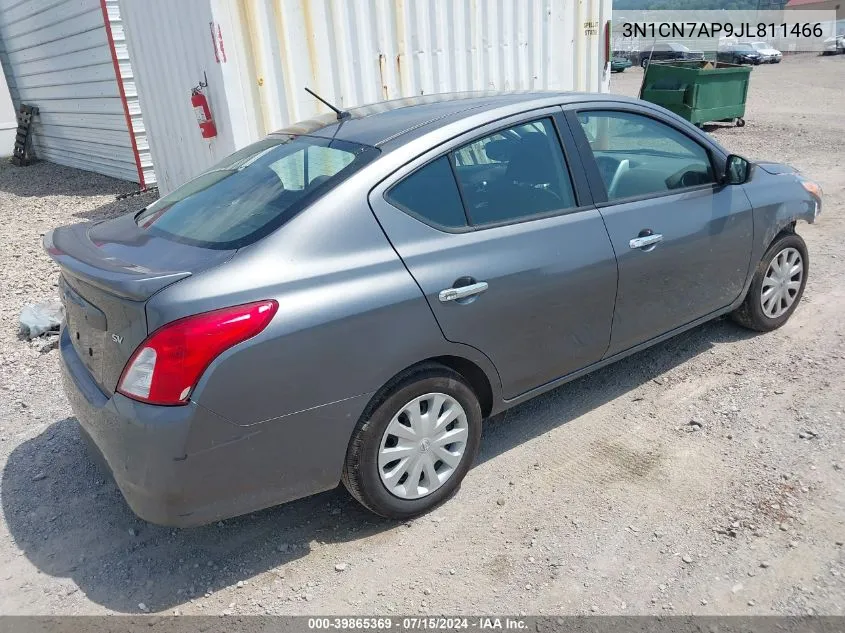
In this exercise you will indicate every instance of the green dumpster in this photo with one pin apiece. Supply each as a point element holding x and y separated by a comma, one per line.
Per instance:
<point>699,91</point>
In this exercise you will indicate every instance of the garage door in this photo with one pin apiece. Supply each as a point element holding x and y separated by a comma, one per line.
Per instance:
<point>60,55</point>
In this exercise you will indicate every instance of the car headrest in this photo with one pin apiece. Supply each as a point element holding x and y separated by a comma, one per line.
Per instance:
<point>318,180</point>
<point>533,161</point>
<point>500,150</point>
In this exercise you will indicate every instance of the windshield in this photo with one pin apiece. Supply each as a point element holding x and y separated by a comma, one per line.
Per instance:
<point>760,46</point>
<point>743,47</point>
<point>253,191</point>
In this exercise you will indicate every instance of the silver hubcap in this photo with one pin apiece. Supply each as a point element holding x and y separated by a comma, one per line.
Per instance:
<point>782,282</point>
<point>423,445</point>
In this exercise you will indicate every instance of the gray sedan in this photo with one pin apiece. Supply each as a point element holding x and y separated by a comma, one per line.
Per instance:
<point>348,298</point>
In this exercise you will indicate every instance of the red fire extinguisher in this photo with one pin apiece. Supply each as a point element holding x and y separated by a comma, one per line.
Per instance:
<point>202,111</point>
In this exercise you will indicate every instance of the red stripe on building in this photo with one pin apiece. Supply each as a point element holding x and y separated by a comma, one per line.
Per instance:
<point>122,92</point>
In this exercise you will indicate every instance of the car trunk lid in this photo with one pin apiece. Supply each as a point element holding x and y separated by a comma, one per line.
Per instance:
<point>108,271</point>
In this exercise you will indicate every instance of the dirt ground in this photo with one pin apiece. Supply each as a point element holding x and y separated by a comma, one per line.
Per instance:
<point>599,497</point>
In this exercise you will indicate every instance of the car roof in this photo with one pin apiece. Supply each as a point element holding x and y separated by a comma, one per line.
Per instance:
<point>392,123</point>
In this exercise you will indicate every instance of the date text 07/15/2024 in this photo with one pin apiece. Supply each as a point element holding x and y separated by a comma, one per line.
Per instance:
<point>420,623</point>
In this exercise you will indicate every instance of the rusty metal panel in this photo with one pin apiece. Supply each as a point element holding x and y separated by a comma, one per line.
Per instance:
<point>371,50</point>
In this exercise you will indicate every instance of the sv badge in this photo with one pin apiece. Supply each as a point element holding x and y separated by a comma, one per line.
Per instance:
<point>117,339</point>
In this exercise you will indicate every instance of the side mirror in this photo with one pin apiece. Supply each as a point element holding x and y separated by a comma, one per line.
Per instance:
<point>736,170</point>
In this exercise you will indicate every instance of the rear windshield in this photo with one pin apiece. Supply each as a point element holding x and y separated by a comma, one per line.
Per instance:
<point>253,191</point>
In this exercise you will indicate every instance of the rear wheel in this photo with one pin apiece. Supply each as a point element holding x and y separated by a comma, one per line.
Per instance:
<point>415,443</point>
<point>777,286</point>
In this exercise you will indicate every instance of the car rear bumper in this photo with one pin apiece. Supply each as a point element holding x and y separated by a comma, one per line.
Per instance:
<point>184,466</point>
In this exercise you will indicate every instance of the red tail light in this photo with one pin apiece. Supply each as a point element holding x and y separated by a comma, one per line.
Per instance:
<point>168,364</point>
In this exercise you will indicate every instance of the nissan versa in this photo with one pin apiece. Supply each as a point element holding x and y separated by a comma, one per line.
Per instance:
<point>348,298</point>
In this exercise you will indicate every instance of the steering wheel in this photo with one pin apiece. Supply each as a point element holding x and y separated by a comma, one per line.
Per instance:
<point>624,165</point>
<point>552,195</point>
<point>545,198</point>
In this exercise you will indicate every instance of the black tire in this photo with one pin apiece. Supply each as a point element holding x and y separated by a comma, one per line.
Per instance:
<point>750,314</point>
<point>643,63</point>
<point>360,471</point>
<point>740,122</point>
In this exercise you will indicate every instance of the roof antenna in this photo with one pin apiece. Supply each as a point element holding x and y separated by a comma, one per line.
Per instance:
<point>341,114</point>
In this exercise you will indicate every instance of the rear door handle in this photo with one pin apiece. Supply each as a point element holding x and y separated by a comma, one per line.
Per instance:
<point>462,292</point>
<point>645,241</point>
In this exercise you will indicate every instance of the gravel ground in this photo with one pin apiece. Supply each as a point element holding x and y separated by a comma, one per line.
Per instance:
<point>600,497</point>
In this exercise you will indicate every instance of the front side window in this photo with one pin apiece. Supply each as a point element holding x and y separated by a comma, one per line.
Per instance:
<point>253,191</point>
<point>637,155</point>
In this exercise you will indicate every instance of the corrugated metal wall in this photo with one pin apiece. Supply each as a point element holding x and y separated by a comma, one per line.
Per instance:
<point>130,91</point>
<point>259,54</point>
<point>371,50</point>
<point>56,55</point>
<point>171,49</point>
<point>8,119</point>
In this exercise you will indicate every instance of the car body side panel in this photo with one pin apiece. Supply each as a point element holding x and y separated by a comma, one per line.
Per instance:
<point>779,200</point>
<point>702,262</point>
<point>350,316</point>
<point>551,280</point>
<point>700,266</point>
<point>187,466</point>
<point>549,304</point>
<point>268,463</point>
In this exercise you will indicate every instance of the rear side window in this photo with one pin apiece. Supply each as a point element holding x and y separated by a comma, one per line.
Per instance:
<point>513,174</point>
<point>431,194</point>
<point>253,191</point>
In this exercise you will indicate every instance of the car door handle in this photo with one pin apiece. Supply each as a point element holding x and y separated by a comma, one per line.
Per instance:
<point>644,241</point>
<point>462,292</point>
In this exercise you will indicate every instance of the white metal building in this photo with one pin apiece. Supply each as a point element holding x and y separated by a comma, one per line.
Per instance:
<point>258,55</point>
<point>98,112</point>
<point>69,58</point>
<point>8,120</point>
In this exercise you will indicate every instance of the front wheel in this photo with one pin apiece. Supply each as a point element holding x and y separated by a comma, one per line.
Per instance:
<point>415,443</point>
<point>777,286</point>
